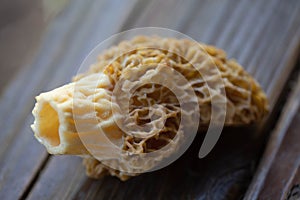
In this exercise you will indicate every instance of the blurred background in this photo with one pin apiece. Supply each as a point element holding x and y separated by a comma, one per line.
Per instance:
<point>22,27</point>
<point>43,42</point>
<point>27,28</point>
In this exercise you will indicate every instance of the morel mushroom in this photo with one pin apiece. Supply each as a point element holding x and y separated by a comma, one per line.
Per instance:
<point>55,126</point>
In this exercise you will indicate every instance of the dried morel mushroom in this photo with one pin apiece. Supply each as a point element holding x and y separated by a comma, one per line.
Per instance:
<point>147,57</point>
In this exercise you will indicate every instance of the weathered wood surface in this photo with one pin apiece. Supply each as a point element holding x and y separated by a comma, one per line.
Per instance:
<point>279,170</point>
<point>264,36</point>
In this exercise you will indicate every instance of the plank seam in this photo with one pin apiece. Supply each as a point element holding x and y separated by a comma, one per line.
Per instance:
<point>35,177</point>
<point>275,117</point>
<point>136,12</point>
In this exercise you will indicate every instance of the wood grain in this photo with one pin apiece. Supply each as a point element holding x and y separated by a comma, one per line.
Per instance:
<point>53,67</point>
<point>262,35</point>
<point>279,169</point>
<point>224,182</point>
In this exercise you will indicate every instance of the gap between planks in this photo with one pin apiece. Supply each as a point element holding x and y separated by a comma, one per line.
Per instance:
<point>135,11</point>
<point>279,134</point>
<point>262,24</point>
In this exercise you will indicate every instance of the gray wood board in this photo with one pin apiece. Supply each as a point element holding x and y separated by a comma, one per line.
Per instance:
<point>262,35</point>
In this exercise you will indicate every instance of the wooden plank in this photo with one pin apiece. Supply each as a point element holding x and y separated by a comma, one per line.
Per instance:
<point>17,142</point>
<point>237,173</point>
<point>64,187</point>
<point>227,171</point>
<point>48,173</point>
<point>252,32</point>
<point>21,156</point>
<point>279,168</point>
<point>165,14</point>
